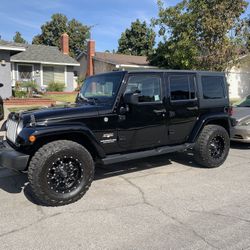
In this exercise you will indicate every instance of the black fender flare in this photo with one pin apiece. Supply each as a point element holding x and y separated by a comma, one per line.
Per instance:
<point>3,127</point>
<point>204,120</point>
<point>59,130</point>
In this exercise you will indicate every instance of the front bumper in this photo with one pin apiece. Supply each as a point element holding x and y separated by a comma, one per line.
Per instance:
<point>10,158</point>
<point>240,134</point>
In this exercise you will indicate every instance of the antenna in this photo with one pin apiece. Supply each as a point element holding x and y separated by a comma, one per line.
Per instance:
<point>91,27</point>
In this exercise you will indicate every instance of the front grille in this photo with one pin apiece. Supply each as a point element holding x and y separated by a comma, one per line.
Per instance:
<point>1,112</point>
<point>12,130</point>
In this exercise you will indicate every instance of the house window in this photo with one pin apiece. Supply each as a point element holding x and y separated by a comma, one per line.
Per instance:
<point>53,74</point>
<point>25,72</point>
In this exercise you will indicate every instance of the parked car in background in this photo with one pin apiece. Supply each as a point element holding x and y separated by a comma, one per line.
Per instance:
<point>1,105</point>
<point>241,113</point>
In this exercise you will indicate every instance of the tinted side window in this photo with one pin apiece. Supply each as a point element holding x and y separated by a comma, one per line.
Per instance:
<point>213,87</point>
<point>147,86</point>
<point>182,87</point>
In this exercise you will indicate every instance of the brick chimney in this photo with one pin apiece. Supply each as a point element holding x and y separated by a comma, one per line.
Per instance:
<point>65,43</point>
<point>90,55</point>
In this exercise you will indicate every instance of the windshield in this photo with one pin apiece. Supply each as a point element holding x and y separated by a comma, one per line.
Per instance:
<point>101,88</point>
<point>244,103</point>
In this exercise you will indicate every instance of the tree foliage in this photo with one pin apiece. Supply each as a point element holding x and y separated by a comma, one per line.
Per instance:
<point>138,40</point>
<point>59,23</point>
<point>18,38</point>
<point>246,33</point>
<point>198,34</point>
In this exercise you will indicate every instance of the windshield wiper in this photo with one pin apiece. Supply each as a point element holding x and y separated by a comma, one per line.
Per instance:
<point>91,100</point>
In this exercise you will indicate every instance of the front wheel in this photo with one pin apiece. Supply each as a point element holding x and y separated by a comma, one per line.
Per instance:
<point>60,173</point>
<point>212,146</point>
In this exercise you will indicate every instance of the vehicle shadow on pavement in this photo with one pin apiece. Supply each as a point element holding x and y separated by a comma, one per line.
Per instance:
<point>238,145</point>
<point>14,182</point>
<point>122,168</point>
<point>11,181</point>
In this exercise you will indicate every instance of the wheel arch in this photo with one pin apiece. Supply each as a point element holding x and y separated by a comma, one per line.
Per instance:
<point>218,119</point>
<point>84,138</point>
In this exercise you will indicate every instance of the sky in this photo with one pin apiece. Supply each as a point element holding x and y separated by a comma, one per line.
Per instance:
<point>109,18</point>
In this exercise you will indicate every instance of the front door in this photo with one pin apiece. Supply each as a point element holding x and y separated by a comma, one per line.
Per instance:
<point>143,125</point>
<point>182,106</point>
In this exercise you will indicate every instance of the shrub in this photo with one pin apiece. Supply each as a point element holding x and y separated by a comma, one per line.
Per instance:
<point>55,87</point>
<point>19,94</point>
<point>30,86</point>
<point>80,81</point>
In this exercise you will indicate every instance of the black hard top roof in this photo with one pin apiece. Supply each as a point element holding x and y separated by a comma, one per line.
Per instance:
<point>176,71</point>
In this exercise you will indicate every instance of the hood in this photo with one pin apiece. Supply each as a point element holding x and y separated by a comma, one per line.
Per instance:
<point>239,113</point>
<point>60,112</point>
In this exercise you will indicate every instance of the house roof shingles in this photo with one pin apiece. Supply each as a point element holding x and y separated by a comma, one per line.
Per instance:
<point>122,59</point>
<point>118,59</point>
<point>44,54</point>
<point>12,45</point>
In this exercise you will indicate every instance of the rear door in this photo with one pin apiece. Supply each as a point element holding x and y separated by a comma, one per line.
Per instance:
<point>182,105</point>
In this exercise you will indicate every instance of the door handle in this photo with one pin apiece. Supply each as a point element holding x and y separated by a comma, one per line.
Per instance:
<point>122,118</point>
<point>160,111</point>
<point>192,108</point>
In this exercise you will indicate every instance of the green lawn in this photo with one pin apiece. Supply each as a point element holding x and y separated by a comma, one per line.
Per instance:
<point>62,97</point>
<point>23,108</point>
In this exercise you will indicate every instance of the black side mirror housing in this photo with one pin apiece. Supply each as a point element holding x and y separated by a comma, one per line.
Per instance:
<point>1,85</point>
<point>131,98</point>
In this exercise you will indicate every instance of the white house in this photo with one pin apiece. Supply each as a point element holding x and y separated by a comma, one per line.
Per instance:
<point>238,78</point>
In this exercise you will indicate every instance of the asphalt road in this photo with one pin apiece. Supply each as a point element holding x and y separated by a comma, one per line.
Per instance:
<point>157,203</point>
<point>165,202</point>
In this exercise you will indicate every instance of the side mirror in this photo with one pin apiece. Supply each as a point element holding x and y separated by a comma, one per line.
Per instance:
<point>131,98</point>
<point>1,85</point>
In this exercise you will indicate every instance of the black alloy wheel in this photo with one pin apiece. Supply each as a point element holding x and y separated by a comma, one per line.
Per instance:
<point>217,147</point>
<point>65,174</point>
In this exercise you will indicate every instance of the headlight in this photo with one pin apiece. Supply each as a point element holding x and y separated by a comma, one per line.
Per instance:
<point>245,122</point>
<point>19,128</point>
<point>13,129</point>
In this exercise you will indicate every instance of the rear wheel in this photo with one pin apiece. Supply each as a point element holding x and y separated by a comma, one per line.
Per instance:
<point>212,146</point>
<point>60,172</point>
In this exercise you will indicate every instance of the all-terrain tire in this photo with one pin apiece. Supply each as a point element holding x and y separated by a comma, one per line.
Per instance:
<point>57,166</point>
<point>212,146</point>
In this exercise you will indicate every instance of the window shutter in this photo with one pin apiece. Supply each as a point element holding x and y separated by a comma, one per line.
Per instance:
<point>48,75</point>
<point>53,74</point>
<point>59,74</point>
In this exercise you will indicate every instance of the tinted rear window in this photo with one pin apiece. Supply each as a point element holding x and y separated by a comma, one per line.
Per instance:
<point>182,87</point>
<point>213,87</point>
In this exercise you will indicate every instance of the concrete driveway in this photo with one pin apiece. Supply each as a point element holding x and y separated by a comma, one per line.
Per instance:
<point>163,202</point>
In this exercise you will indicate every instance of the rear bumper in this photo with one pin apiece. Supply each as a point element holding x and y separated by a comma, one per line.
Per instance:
<point>12,159</point>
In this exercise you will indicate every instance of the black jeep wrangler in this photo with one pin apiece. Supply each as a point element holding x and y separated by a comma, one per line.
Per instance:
<point>118,116</point>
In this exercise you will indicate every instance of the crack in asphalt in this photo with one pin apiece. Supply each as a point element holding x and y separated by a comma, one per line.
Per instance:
<point>29,225</point>
<point>103,209</point>
<point>145,201</point>
<point>220,214</point>
<point>45,217</point>
<point>160,173</point>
